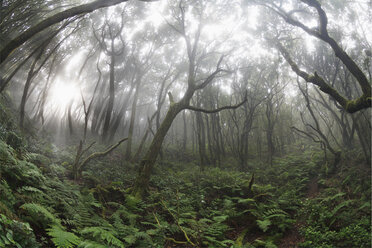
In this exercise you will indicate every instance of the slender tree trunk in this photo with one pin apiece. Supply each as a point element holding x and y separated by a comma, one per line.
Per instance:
<point>201,140</point>
<point>120,115</point>
<point>184,141</point>
<point>98,112</point>
<point>140,147</point>
<point>215,134</point>
<point>259,147</point>
<point>364,140</point>
<point>69,118</point>
<point>220,137</point>
<point>193,138</point>
<point>110,104</point>
<point>269,132</point>
<point>132,119</point>
<point>147,163</point>
<point>210,142</point>
<point>30,76</point>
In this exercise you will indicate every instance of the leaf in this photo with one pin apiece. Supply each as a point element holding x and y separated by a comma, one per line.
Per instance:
<point>264,224</point>
<point>63,239</point>
<point>331,198</point>
<point>246,201</point>
<point>40,214</point>
<point>239,240</point>
<point>339,206</point>
<point>91,244</point>
<point>104,235</point>
<point>365,205</point>
<point>220,218</point>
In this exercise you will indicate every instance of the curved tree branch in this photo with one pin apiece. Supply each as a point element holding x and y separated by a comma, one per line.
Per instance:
<point>218,109</point>
<point>350,106</point>
<point>99,154</point>
<point>54,19</point>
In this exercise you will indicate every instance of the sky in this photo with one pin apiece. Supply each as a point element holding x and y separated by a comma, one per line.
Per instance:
<point>237,30</point>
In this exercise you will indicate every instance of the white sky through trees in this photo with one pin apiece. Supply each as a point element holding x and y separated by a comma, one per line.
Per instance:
<point>236,29</point>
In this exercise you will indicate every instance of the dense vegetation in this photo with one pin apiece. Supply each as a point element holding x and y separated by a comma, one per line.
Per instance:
<point>185,123</point>
<point>294,202</point>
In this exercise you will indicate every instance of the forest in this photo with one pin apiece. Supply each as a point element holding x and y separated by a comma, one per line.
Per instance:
<point>185,123</point>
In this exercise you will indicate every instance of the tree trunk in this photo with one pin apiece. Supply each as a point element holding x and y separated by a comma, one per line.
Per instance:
<point>140,147</point>
<point>30,76</point>
<point>132,119</point>
<point>210,142</point>
<point>147,163</point>
<point>201,140</point>
<point>269,132</point>
<point>184,141</point>
<point>99,111</point>
<point>110,104</point>
<point>364,139</point>
<point>120,115</point>
<point>69,118</point>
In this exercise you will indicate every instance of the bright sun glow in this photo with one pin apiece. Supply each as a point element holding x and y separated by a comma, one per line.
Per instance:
<point>62,94</point>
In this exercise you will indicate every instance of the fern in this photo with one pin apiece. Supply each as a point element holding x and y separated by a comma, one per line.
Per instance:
<point>103,235</point>
<point>40,215</point>
<point>337,208</point>
<point>122,212</point>
<point>63,239</point>
<point>264,224</point>
<point>246,201</point>
<point>91,244</point>
<point>220,218</point>
<point>274,211</point>
<point>130,239</point>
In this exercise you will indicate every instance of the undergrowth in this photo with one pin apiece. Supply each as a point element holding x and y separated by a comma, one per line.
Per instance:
<point>40,206</point>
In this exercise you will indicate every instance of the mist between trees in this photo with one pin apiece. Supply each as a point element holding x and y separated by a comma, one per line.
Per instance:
<point>215,82</point>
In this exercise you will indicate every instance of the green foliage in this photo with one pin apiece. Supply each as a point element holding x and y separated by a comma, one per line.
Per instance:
<point>14,140</point>
<point>102,236</point>
<point>39,215</point>
<point>16,234</point>
<point>62,238</point>
<point>91,244</point>
<point>337,219</point>
<point>185,207</point>
<point>264,224</point>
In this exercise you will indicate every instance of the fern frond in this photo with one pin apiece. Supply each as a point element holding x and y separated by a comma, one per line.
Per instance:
<point>275,212</point>
<point>40,215</point>
<point>104,235</point>
<point>264,224</point>
<point>63,239</point>
<point>91,244</point>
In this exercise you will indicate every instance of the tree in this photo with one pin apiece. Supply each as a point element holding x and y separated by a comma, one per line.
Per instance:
<point>141,68</point>
<point>315,132</point>
<point>147,163</point>
<point>321,32</point>
<point>83,9</point>
<point>112,52</point>
<point>34,71</point>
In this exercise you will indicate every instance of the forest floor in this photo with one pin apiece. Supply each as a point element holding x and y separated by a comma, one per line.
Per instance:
<point>293,238</point>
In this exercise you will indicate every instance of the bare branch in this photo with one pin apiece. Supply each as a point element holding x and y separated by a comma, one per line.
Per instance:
<point>54,19</point>
<point>210,78</point>
<point>322,34</point>
<point>218,109</point>
<point>100,154</point>
<point>350,106</point>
